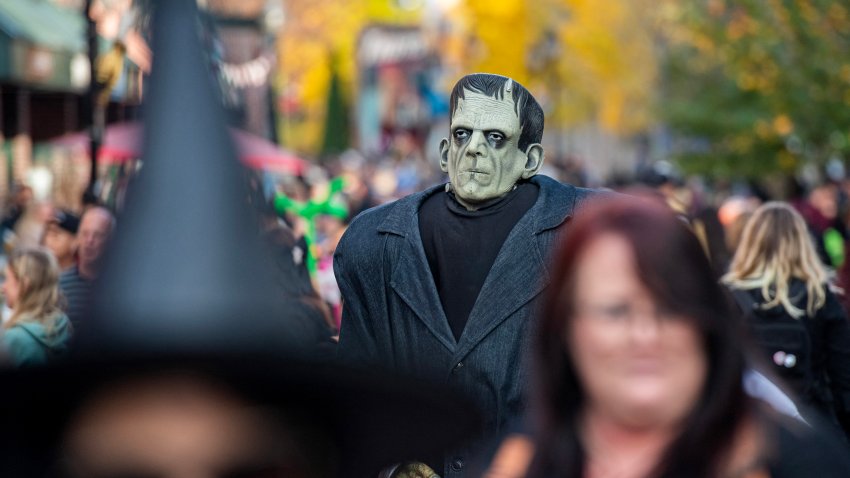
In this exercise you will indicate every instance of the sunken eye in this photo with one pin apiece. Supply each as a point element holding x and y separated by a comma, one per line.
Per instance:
<point>495,136</point>
<point>461,134</point>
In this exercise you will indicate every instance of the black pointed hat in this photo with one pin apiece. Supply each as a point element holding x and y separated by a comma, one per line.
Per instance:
<point>187,286</point>
<point>186,263</point>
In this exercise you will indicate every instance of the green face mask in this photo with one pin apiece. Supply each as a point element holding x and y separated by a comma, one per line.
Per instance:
<point>482,157</point>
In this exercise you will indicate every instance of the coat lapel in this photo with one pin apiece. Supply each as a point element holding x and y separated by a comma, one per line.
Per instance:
<point>411,279</point>
<point>516,277</point>
<point>519,273</point>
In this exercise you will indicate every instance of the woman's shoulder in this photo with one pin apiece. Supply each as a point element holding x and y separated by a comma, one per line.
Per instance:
<point>31,341</point>
<point>22,344</point>
<point>20,332</point>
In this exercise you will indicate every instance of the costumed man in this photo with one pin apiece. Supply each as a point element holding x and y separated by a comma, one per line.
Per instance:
<point>444,284</point>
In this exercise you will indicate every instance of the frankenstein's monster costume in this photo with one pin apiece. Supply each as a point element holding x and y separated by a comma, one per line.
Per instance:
<point>393,315</point>
<point>421,301</point>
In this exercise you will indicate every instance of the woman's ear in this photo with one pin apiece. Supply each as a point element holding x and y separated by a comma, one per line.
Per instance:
<point>534,161</point>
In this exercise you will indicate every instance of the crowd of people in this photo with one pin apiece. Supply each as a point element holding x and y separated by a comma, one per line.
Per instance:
<point>659,331</point>
<point>52,258</point>
<point>600,340</point>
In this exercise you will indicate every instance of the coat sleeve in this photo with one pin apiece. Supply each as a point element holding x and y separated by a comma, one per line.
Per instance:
<point>837,335</point>
<point>363,339</point>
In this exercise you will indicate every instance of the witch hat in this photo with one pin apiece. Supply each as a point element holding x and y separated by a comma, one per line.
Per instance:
<point>187,261</point>
<point>186,287</point>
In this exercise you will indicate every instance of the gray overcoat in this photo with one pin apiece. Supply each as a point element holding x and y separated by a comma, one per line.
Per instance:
<point>392,315</point>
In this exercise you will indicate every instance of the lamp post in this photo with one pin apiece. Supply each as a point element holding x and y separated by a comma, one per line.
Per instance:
<point>97,113</point>
<point>274,17</point>
<point>543,60</point>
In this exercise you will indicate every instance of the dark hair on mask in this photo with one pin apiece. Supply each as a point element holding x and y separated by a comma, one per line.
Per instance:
<point>526,107</point>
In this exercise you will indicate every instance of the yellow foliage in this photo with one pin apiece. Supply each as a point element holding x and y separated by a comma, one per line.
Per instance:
<point>763,129</point>
<point>404,12</point>
<point>315,32</point>
<point>787,161</point>
<point>809,12</point>
<point>783,125</point>
<point>601,67</point>
<point>501,29</point>
<point>610,55</point>
<point>837,12</point>
<point>611,109</point>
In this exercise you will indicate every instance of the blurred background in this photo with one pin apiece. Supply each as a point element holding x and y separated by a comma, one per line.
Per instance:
<point>339,105</point>
<point>728,90</point>
<point>336,106</point>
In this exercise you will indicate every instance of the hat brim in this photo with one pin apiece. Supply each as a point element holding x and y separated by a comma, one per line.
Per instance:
<point>371,420</point>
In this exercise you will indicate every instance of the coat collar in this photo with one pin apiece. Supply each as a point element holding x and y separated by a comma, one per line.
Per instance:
<point>555,203</point>
<point>499,296</point>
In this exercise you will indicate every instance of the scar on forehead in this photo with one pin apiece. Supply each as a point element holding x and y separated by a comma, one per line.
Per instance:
<point>482,116</point>
<point>491,117</point>
<point>481,101</point>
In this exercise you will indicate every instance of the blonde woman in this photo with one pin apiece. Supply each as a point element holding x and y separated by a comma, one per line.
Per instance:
<point>794,316</point>
<point>37,330</point>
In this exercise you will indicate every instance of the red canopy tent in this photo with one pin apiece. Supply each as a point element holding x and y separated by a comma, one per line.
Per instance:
<point>123,141</point>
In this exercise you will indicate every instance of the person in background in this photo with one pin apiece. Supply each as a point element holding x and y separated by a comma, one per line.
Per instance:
<point>60,237</point>
<point>96,227</point>
<point>330,228</point>
<point>638,365</point>
<point>38,330</point>
<point>19,199</point>
<point>784,288</point>
<point>290,270</point>
<point>820,211</point>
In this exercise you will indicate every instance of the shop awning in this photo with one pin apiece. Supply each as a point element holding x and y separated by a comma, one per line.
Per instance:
<point>43,45</point>
<point>123,141</point>
<point>43,23</point>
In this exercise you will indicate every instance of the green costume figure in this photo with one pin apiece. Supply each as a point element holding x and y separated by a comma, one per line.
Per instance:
<point>309,210</point>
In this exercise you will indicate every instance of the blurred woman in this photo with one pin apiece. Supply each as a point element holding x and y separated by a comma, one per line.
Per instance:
<point>638,365</point>
<point>37,330</point>
<point>782,285</point>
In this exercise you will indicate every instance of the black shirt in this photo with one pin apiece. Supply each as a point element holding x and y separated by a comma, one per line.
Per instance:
<point>462,245</point>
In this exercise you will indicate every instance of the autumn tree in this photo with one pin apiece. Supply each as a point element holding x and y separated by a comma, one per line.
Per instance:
<point>591,61</point>
<point>757,86</point>
<point>316,34</point>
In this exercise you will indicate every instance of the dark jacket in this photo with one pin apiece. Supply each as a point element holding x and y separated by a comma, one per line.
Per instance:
<point>804,451</point>
<point>829,333</point>
<point>392,315</point>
